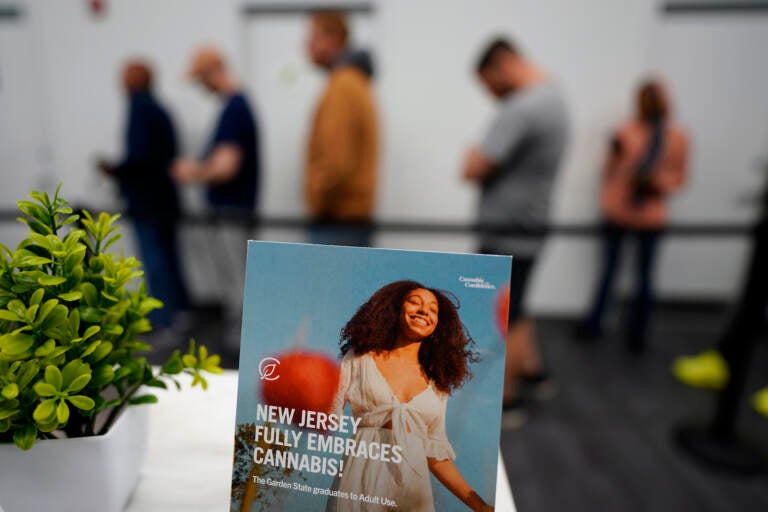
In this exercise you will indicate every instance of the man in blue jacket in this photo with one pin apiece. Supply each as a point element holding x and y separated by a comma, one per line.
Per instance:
<point>145,183</point>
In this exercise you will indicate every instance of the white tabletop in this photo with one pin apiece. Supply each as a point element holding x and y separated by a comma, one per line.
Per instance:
<point>189,456</point>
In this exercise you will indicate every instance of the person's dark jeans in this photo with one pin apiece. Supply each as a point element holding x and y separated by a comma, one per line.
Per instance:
<point>738,341</point>
<point>353,235</point>
<point>159,252</point>
<point>642,303</point>
<point>748,316</point>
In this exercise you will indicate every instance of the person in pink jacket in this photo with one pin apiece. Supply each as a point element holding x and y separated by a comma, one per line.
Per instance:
<point>646,163</point>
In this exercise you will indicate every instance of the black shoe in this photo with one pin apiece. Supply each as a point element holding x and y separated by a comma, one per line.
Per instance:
<point>539,387</point>
<point>514,414</point>
<point>584,331</point>
<point>636,346</point>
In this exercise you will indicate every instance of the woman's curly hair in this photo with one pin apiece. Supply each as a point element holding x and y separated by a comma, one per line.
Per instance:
<point>445,355</point>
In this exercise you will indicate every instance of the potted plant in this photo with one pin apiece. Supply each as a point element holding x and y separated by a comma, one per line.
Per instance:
<point>71,320</point>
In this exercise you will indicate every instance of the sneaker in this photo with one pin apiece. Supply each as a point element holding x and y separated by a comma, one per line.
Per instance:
<point>539,387</point>
<point>760,401</point>
<point>584,331</point>
<point>707,370</point>
<point>514,414</point>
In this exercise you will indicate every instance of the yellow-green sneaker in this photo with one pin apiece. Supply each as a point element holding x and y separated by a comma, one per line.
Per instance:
<point>707,370</point>
<point>760,401</point>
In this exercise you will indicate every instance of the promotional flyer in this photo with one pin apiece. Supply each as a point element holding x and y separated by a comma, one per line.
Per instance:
<point>369,380</point>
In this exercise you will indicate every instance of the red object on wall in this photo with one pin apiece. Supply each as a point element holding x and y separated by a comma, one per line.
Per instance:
<point>501,310</point>
<point>307,381</point>
<point>97,7</point>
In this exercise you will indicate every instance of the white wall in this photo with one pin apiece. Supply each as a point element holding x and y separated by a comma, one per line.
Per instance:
<point>65,66</point>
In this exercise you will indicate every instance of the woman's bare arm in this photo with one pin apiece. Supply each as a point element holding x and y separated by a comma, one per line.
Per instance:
<point>446,471</point>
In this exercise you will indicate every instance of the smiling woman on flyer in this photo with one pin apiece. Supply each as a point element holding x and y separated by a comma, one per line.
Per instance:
<point>405,351</point>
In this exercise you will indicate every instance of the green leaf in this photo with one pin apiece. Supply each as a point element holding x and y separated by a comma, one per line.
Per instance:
<point>53,377</point>
<point>156,383</point>
<point>28,372</point>
<point>25,436</point>
<point>37,297</point>
<point>16,344</point>
<point>9,316</point>
<point>46,308</point>
<point>46,348</point>
<point>62,412</point>
<point>36,226</point>
<point>49,426</point>
<point>44,389</point>
<point>79,383</point>
<point>199,379</point>
<point>7,413</point>
<point>112,240</point>
<point>56,353</point>
<point>211,365</point>
<point>17,307</point>
<point>73,370</point>
<point>149,304</point>
<point>90,349</point>
<point>91,331</point>
<point>71,296</point>
<point>49,280</point>
<point>90,315</point>
<point>102,351</point>
<point>45,412</point>
<point>10,391</point>
<point>109,297</point>
<point>174,365</point>
<point>32,313</point>
<point>102,375</point>
<point>35,211</point>
<point>27,259</point>
<point>90,294</point>
<point>57,316</point>
<point>82,402</point>
<point>69,220</point>
<point>123,372</point>
<point>143,399</point>
<point>113,329</point>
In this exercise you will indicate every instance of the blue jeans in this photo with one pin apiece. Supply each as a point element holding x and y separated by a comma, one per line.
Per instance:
<point>642,303</point>
<point>330,234</point>
<point>159,252</point>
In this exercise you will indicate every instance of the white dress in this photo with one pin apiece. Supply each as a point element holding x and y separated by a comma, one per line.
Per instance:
<point>418,426</point>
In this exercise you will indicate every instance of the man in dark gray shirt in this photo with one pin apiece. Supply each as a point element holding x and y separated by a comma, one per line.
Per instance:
<point>515,166</point>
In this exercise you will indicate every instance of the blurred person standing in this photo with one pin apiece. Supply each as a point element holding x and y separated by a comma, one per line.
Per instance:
<point>230,164</point>
<point>729,361</point>
<point>343,147</point>
<point>646,163</point>
<point>230,170</point>
<point>152,200</point>
<point>515,166</point>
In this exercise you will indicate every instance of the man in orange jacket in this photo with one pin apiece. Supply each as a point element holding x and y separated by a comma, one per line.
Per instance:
<point>342,154</point>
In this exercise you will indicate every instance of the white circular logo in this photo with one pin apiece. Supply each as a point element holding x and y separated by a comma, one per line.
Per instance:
<point>268,368</point>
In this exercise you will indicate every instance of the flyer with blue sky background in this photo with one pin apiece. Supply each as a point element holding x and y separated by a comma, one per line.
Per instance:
<point>298,298</point>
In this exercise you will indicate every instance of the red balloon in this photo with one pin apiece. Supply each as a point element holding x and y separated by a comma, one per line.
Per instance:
<point>501,310</point>
<point>304,380</point>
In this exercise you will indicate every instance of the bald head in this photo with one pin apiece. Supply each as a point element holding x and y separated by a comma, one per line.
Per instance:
<point>208,67</point>
<point>137,76</point>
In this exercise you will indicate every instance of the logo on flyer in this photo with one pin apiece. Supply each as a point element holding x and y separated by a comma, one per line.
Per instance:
<point>268,368</point>
<point>476,282</point>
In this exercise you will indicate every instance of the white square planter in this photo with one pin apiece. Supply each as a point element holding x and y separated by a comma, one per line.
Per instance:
<point>87,474</point>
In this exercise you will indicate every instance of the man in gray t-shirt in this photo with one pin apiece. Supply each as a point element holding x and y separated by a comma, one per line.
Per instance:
<point>515,166</point>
